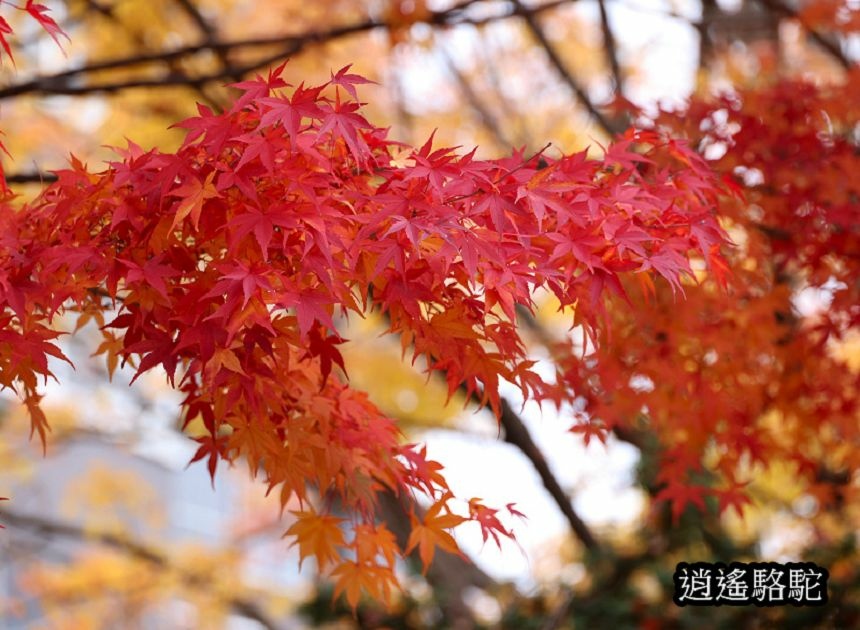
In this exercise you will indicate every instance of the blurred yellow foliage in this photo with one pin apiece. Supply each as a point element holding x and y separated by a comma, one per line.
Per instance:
<point>374,365</point>
<point>111,500</point>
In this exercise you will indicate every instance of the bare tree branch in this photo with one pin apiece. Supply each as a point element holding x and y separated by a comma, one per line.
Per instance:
<point>48,528</point>
<point>210,35</point>
<point>108,13</point>
<point>634,437</point>
<point>193,12</point>
<point>31,178</point>
<point>610,47</point>
<point>517,434</point>
<point>579,91</point>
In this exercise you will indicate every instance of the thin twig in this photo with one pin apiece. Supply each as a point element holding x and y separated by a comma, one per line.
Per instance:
<point>517,434</point>
<point>610,47</point>
<point>579,91</point>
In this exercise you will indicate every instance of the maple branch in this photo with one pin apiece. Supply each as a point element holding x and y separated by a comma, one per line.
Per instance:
<point>772,232</point>
<point>202,24</point>
<point>778,6</point>
<point>44,527</point>
<point>518,435</point>
<point>37,177</point>
<point>56,83</point>
<point>530,17</point>
<point>610,47</point>
<point>210,35</point>
<point>108,13</point>
<point>174,78</point>
<point>59,83</point>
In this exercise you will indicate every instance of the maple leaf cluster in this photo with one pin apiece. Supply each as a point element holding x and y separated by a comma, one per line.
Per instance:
<point>229,261</point>
<point>740,375</point>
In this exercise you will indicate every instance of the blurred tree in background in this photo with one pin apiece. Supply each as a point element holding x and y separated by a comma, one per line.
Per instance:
<point>759,377</point>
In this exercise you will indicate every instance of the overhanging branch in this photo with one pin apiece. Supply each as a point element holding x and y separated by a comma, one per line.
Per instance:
<point>31,178</point>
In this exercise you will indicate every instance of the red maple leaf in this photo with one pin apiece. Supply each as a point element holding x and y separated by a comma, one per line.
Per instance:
<point>678,495</point>
<point>39,12</point>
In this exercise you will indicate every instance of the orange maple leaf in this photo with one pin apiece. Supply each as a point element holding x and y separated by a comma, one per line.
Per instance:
<point>317,535</point>
<point>353,577</point>
<point>430,534</point>
<point>373,540</point>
